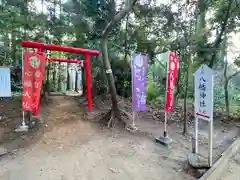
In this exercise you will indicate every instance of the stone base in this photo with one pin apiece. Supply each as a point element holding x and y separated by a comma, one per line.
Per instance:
<point>197,161</point>
<point>3,151</point>
<point>22,129</point>
<point>73,93</point>
<point>131,128</point>
<point>166,141</point>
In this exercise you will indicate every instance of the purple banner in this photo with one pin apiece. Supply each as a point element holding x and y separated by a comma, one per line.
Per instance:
<point>139,82</point>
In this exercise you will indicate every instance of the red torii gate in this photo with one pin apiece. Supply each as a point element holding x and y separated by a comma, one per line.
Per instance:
<point>86,53</point>
<point>76,61</point>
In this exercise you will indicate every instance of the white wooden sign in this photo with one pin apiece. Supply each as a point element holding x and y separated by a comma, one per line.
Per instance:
<point>204,104</point>
<point>204,93</point>
<point>5,82</point>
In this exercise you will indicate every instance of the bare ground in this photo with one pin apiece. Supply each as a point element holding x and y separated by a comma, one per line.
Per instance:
<point>65,146</point>
<point>233,168</point>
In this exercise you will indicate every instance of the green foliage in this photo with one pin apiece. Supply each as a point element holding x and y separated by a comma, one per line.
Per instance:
<point>122,75</point>
<point>152,91</point>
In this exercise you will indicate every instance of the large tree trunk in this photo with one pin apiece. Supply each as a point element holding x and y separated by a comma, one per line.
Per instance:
<point>219,38</point>
<point>226,82</point>
<point>226,95</point>
<point>54,75</point>
<point>48,77</point>
<point>14,48</point>
<point>110,77</point>
<point>106,32</point>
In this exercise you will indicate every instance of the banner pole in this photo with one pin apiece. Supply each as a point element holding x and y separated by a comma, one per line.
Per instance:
<point>133,111</point>
<point>210,142</point>
<point>165,125</point>
<point>23,119</point>
<point>23,127</point>
<point>134,116</point>
<point>165,140</point>
<point>23,114</point>
<point>196,135</point>
<point>165,120</point>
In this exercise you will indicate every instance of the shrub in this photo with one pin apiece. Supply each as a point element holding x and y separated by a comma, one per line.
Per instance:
<point>152,91</point>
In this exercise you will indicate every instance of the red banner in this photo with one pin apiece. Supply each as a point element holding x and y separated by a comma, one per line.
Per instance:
<point>34,65</point>
<point>171,80</point>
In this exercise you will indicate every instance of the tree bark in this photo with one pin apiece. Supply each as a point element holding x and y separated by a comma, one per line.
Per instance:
<point>48,78</point>
<point>104,40</point>
<point>14,48</point>
<point>110,78</point>
<point>222,31</point>
<point>54,75</point>
<point>226,95</point>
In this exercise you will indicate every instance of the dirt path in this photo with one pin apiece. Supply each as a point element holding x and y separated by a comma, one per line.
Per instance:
<point>72,149</point>
<point>104,156</point>
<point>68,148</point>
<point>233,168</point>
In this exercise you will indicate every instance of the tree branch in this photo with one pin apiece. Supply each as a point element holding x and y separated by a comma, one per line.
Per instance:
<point>121,14</point>
<point>223,26</point>
<point>219,37</point>
<point>234,74</point>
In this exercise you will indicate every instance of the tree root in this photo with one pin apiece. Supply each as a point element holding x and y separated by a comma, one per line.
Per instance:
<point>127,123</point>
<point>109,118</point>
<point>110,122</point>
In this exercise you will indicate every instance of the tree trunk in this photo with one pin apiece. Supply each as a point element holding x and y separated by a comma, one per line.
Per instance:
<point>105,34</point>
<point>25,15</point>
<point>226,95</point>
<point>110,77</point>
<point>14,48</point>
<point>54,75</point>
<point>48,77</point>
<point>226,81</point>
<point>59,77</point>
<point>219,38</point>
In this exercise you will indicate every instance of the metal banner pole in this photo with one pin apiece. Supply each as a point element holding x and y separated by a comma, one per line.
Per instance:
<point>23,127</point>
<point>133,127</point>
<point>165,125</point>
<point>165,140</point>
<point>196,135</point>
<point>210,142</point>
<point>134,115</point>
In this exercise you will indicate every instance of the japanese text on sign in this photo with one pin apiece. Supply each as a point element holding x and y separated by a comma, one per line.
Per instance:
<point>202,95</point>
<point>204,92</point>
<point>139,74</point>
<point>171,80</point>
<point>32,81</point>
